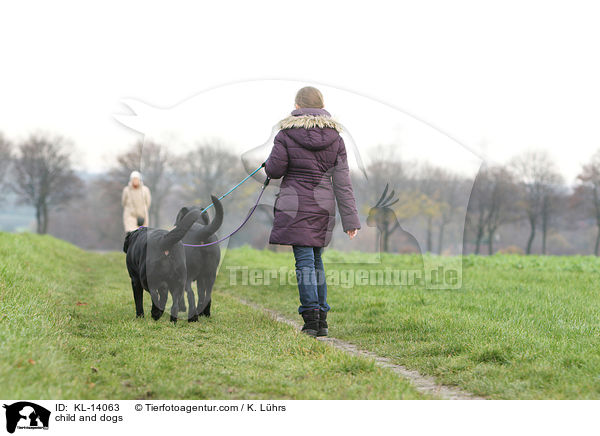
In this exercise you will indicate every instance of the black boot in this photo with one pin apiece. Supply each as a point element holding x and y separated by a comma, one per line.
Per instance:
<point>311,322</point>
<point>323,327</point>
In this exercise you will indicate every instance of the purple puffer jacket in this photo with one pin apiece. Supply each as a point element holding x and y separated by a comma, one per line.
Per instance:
<point>310,155</point>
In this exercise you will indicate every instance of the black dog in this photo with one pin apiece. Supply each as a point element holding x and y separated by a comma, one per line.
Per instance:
<point>156,263</point>
<point>13,415</point>
<point>201,262</point>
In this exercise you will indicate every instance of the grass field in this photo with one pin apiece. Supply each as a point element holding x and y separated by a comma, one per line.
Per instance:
<point>68,331</point>
<point>520,327</point>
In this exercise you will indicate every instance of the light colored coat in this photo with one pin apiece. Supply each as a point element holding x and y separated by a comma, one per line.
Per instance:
<point>136,202</point>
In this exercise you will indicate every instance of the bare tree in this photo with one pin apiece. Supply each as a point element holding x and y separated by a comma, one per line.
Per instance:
<point>43,176</point>
<point>590,190</point>
<point>540,181</point>
<point>451,188</point>
<point>502,202</point>
<point>429,182</point>
<point>552,206</point>
<point>208,169</point>
<point>385,168</point>
<point>477,211</point>
<point>5,161</point>
<point>490,205</point>
<point>493,203</point>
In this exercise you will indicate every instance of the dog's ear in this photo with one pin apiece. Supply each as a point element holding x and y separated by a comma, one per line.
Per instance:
<point>204,218</point>
<point>126,243</point>
<point>182,212</point>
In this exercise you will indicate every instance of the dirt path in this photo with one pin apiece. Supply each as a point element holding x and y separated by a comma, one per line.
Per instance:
<point>422,383</point>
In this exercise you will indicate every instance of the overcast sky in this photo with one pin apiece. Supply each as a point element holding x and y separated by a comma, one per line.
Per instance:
<point>498,77</point>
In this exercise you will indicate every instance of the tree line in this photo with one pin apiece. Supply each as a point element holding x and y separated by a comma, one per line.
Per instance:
<point>522,206</point>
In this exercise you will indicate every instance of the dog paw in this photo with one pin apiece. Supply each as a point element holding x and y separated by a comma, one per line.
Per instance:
<point>173,320</point>
<point>139,315</point>
<point>193,319</point>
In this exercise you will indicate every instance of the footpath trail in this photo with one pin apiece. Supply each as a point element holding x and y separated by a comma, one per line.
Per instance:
<point>421,383</point>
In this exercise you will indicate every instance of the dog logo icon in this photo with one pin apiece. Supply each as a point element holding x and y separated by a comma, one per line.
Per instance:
<point>26,415</point>
<point>384,218</point>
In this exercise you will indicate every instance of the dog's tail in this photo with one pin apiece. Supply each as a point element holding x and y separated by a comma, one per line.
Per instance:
<point>212,227</point>
<point>175,235</point>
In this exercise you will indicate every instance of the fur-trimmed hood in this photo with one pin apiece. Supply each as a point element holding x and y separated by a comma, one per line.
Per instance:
<point>309,120</point>
<point>313,128</point>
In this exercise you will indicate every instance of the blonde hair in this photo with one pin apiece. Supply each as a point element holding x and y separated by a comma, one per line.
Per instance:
<point>309,97</point>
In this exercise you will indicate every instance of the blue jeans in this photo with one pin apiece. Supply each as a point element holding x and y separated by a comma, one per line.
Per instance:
<point>311,278</point>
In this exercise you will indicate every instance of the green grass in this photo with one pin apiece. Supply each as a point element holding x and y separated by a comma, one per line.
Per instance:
<point>520,327</point>
<point>68,330</point>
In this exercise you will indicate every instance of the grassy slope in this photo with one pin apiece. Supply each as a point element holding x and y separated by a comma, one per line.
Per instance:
<point>51,347</point>
<point>521,327</point>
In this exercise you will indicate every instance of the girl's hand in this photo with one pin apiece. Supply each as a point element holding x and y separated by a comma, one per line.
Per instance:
<point>352,233</point>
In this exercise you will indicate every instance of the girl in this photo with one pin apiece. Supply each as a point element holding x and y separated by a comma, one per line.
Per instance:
<point>310,155</point>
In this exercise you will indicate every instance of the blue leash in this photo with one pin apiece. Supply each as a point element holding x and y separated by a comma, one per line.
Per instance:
<point>234,188</point>
<point>262,190</point>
